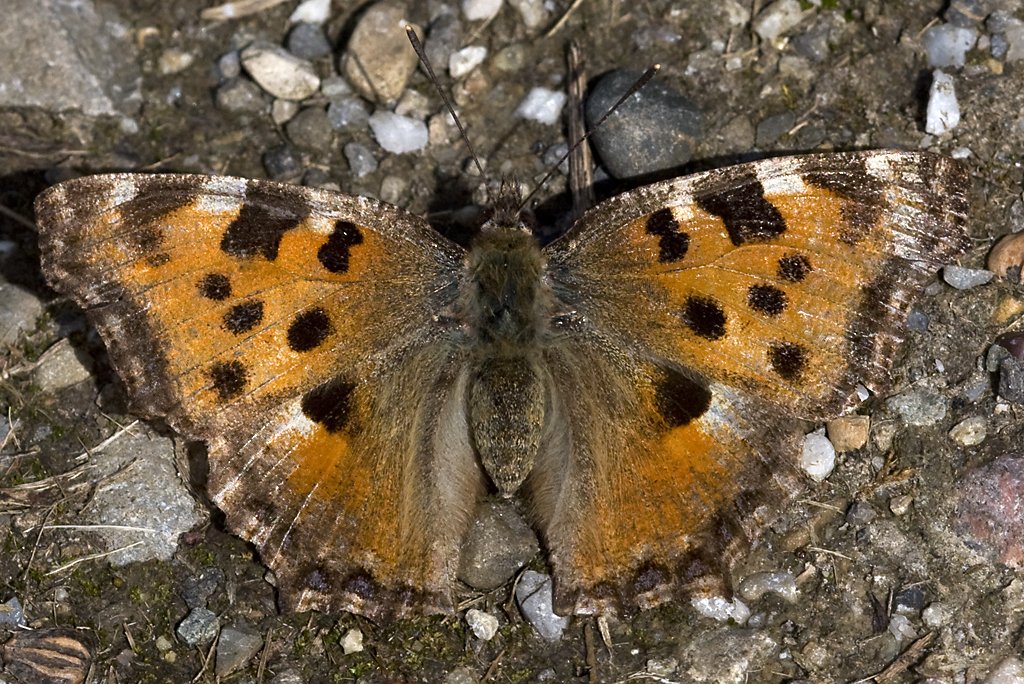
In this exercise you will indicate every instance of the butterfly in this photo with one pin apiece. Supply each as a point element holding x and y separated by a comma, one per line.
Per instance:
<point>363,383</point>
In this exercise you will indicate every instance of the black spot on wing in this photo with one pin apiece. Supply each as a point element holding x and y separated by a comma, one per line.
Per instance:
<point>737,197</point>
<point>330,404</point>
<point>267,213</point>
<point>155,197</point>
<point>705,317</point>
<point>672,243</point>
<point>679,398</point>
<point>243,317</point>
<point>766,299</point>
<point>228,378</point>
<point>788,360</point>
<point>334,254</point>
<point>863,195</point>
<point>308,330</point>
<point>215,286</point>
<point>794,267</point>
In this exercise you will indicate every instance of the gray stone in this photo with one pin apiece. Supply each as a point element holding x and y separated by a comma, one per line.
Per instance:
<point>532,12</point>
<point>60,55</point>
<point>947,45</point>
<point>378,60</point>
<point>726,655</point>
<point>496,547</point>
<point>757,584</point>
<point>444,37</point>
<point>335,88</point>
<point>11,613</point>
<point>229,65</point>
<point>59,367</point>
<point>966,278</point>
<point>778,18</point>
<point>360,159</point>
<point>240,95</point>
<point>310,129</point>
<point>918,321</point>
<point>773,127</point>
<point>534,596</point>
<point>307,41</point>
<point>196,590</point>
<point>140,511</point>
<point>282,163</point>
<point>279,72</point>
<point>19,310</point>
<point>1011,380</point>
<point>967,12</point>
<point>480,10</point>
<point>942,113</point>
<point>348,114</point>
<point>970,431</point>
<point>994,357</point>
<point>860,513</point>
<point>919,406</point>
<point>199,627</point>
<point>235,648</point>
<point>352,642</point>
<point>654,130</point>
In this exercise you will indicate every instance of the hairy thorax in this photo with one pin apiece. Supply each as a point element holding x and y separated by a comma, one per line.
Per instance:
<point>505,303</point>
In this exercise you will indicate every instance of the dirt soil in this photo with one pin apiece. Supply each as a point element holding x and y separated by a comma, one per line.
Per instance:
<point>868,90</point>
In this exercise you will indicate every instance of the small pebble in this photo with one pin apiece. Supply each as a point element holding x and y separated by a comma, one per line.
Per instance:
<point>818,457</point>
<point>721,609</point>
<point>990,510</point>
<point>1011,380</point>
<point>393,189</point>
<point>235,648</point>
<point>461,675</point>
<point>756,585</point>
<point>59,367</point>
<point>279,72</point>
<point>919,406</point>
<point>465,60</point>
<point>966,278</point>
<point>360,159</point>
<point>1007,257</point>
<point>943,111</point>
<point>778,18</point>
<point>947,45</point>
<point>496,547</point>
<point>655,130</point>
<point>860,513</point>
<point>307,41</point>
<point>899,505</point>
<point>849,433</point>
<point>480,10</point>
<point>348,114</point>
<point>282,163</point>
<point>936,615</point>
<point>11,613</point>
<point>970,431</point>
<point>542,105</point>
<point>229,65</point>
<point>661,667</point>
<point>484,625</point>
<point>162,643</point>
<point>900,627</point>
<point>335,88</point>
<point>534,596</point>
<point>918,320</point>
<point>173,61</point>
<point>352,642</point>
<point>282,111</point>
<point>909,600</point>
<point>378,60</point>
<point>533,12</point>
<point>199,627</point>
<point>240,95</point>
<point>311,12</point>
<point>310,129</point>
<point>398,134</point>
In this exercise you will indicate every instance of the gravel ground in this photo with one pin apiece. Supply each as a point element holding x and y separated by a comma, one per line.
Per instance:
<point>903,565</point>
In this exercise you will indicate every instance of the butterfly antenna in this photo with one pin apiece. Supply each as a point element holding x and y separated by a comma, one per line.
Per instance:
<point>637,85</point>
<point>422,55</point>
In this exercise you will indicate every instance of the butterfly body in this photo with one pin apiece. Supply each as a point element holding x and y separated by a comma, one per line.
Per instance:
<point>362,382</point>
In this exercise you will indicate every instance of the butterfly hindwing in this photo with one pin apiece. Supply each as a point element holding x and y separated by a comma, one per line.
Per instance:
<point>292,329</point>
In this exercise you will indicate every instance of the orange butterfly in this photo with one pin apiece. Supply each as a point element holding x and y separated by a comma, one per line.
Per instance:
<point>363,382</point>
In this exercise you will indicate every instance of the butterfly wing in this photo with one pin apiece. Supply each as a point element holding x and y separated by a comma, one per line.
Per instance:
<point>259,316</point>
<point>712,305</point>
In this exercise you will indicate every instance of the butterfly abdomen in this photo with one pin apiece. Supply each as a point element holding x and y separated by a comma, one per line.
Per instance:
<point>503,303</point>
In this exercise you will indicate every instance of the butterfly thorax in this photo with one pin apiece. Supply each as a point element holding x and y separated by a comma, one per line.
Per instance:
<point>504,302</point>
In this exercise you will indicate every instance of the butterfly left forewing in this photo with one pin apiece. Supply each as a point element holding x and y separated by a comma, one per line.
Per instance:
<point>303,335</point>
<point>713,309</point>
